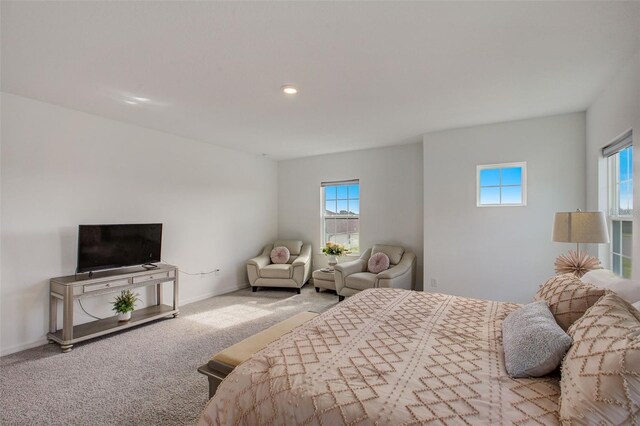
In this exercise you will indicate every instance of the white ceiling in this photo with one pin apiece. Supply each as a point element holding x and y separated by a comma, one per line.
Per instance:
<point>369,74</point>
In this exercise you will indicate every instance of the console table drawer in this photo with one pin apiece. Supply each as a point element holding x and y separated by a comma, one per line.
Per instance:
<point>100,286</point>
<point>154,276</point>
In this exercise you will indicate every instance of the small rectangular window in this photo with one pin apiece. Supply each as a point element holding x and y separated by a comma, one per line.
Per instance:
<point>502,184</point>
<point>341,214</point>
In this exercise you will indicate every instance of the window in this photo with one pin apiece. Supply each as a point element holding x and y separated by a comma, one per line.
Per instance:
<point>620,198</point>
<point>502,184</point>
<point>341,214</point>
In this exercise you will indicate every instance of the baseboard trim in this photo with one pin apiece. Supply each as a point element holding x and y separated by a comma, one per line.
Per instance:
<point>218,292</point>
<point>23,347</point>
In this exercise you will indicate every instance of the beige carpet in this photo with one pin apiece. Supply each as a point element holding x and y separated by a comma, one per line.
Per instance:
<point>143,376</point>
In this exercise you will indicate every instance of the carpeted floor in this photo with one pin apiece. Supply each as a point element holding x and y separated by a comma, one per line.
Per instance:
<point>146,375</point>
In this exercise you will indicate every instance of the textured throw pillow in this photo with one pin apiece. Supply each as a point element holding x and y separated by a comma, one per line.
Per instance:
<point>568,298</point>
<point>629,290</point>
<point>378,262</point>
<point>533,342</point>
<point>280,255</point>
<point>601,373</point>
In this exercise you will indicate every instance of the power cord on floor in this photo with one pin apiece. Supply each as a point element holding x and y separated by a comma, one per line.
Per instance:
<point>182,271</point>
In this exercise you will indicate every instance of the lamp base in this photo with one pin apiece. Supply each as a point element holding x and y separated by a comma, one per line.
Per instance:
<point>577,263</point>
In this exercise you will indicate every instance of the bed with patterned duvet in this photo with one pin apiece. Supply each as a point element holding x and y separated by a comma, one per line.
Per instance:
<point>387,356</point>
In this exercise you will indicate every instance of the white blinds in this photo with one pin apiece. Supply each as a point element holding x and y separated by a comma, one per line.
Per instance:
<point>618,145</point>
<point>341,182</point>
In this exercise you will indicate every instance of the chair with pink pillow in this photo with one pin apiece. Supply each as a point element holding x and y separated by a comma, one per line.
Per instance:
<point>285,263</point>
<point>380,266</point>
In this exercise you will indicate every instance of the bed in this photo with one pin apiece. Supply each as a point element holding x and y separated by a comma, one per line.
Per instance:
<point>387,356</point>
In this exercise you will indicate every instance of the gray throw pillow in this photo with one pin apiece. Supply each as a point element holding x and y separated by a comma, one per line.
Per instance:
<point>534,343</point>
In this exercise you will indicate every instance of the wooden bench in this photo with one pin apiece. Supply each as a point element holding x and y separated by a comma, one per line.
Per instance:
<point>223,363</point>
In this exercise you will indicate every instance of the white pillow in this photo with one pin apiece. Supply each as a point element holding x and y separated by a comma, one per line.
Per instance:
<point>629,290</point>
<point>637,305</point>
<point>599,277</point>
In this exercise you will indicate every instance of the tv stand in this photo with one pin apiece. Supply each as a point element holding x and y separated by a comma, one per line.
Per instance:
<point>72,287</point>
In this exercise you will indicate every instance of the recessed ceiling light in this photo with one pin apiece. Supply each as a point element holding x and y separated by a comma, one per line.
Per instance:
<point>289,89</point>
<point>136,99</point>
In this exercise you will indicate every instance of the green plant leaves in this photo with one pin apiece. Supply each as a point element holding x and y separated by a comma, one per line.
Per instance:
<point>125,302</point>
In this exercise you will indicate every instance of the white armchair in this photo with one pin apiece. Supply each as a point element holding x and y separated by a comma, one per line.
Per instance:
<point>353,277</point>
<point>294,274</point>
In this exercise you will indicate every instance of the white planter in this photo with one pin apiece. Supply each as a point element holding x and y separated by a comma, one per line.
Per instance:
<point>332,262</point>
<point>124,317</point>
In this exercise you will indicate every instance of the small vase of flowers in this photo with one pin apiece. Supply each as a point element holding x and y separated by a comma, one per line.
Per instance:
<point>332,250</point>
<point>125,304</point>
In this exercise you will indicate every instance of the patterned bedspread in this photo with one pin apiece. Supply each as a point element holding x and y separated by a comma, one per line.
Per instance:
<point>387,357</point>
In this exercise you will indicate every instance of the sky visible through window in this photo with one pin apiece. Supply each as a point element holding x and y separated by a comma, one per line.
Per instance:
<point>625,180</point>
<point>341,215</point>
<point>501,186</point>
<point>342,199</point>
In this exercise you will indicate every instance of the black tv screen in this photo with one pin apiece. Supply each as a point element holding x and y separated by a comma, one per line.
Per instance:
<point>116,246</point>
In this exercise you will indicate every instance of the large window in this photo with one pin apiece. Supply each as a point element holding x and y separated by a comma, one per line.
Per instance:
<point>620,198</point>
<point>341,214</point>
<point>502,184</point>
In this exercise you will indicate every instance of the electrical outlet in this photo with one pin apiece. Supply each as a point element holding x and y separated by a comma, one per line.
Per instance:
<point>434,282</point>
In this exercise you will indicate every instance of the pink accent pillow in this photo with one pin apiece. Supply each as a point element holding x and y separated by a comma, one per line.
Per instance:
<point>280,255</point>
<point>378,262</point>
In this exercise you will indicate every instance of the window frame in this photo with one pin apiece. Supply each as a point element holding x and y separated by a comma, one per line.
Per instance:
<point>323,210</point>
<point>523,184</point>
<point>620,254</point>
<point>613,203</point>
<point>613,186</point>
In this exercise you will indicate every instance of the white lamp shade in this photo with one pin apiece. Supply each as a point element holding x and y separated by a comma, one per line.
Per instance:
<point>580,227</point>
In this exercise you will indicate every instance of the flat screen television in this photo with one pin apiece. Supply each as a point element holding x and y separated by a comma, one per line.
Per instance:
<point>117,246</point>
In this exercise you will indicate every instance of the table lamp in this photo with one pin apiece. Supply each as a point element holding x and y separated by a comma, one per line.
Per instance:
<point>579,227</point>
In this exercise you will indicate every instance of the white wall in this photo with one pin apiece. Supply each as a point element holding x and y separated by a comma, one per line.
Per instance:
<point>61,168</point>
<point>499,253</point>
<point>615,111</point>
<point>390,196</point>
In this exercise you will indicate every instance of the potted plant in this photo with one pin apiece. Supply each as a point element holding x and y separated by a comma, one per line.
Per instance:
<point>125,304</point>
<point>332,250</point>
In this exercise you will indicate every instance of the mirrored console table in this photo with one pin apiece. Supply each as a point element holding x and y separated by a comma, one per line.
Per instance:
<point>67,289</point>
